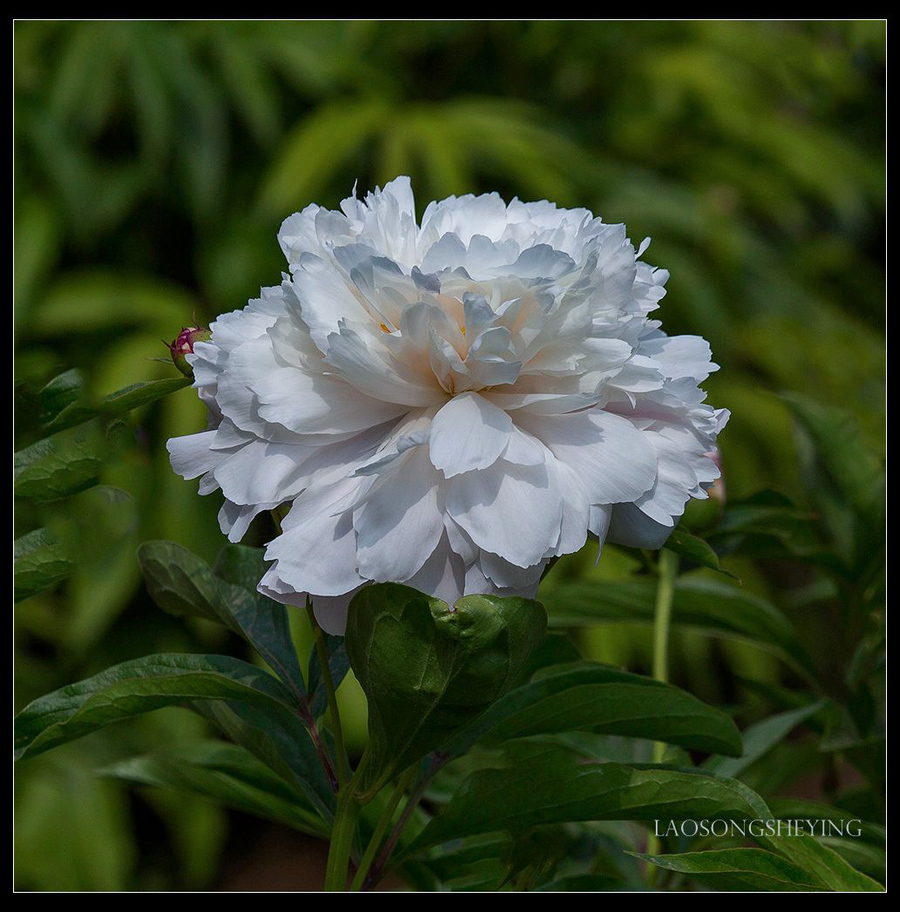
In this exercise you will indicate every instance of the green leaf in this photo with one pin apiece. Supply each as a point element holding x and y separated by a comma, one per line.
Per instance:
<point>846,460</point>
<point>40,562</point>
<point>581,883</point>
<point>339,665</point>
<point>832,871</point>
<point>603,700</point>
<point>138,394</point>
<point>184,585</point>
<point>281,740</point>
<point>695,549</point>
<point>227,774</point>
<point>60,393</point>
<point>760,738</point>
<point>139,686</point>
<point>740,869</point>
<point>428,669</point>
<point>555,784</point>
<point>714,607</point>
<point>60,465</point>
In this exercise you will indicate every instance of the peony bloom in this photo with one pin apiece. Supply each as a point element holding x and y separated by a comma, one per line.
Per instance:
<point>451,404</point>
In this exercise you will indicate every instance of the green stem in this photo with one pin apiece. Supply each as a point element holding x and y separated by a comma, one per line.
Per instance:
<point>342,836</point>
<point>662,621</point>
<point>381,828</point>
<point>333,713</point>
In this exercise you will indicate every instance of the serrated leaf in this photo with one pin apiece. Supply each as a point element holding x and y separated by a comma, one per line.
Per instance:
<point>604,700</point>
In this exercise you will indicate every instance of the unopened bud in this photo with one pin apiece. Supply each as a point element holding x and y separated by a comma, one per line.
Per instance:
<point>184,345</point>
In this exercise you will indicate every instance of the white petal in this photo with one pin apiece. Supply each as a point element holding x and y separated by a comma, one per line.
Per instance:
<point>317,551</point>
<point>614,460</point>
<point>634,529</point>
<point>401,520</point>
<point>468,433</point>
<point>514,511</point>
<point>318,403</point>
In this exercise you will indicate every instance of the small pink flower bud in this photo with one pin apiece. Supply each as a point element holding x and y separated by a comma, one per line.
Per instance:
<point>184,345</point>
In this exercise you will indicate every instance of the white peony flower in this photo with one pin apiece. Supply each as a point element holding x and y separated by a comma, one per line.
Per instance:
<point>449,405</point>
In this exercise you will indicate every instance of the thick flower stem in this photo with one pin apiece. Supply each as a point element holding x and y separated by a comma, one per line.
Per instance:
<point>662,618</point>
<point>381,828</point>
<point>333,713</point>
<point>342,840</point>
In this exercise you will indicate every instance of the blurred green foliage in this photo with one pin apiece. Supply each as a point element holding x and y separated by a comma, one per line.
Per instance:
<point>154,162</point>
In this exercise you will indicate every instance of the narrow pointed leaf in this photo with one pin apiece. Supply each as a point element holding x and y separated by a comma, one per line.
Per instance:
<point>139,686</point>
<point>227,774</point>
<point>598,698</point>
<point>754,870</point>
<point>554,784</point>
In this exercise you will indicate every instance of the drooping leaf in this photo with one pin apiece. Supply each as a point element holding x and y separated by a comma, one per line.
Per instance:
<point>760,738</point>
<point>740,869</point>
<point>554,784</point>
<point>281,740</point>
<point>822,862</point>
<point>601,699</point>
<point>184,585</point>
<point>427,669</point>
<point>227,774</point>
<point>139,686</point>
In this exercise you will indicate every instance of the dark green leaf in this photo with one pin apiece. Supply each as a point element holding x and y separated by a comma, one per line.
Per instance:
<point>60,393</point>
<point>554,784</point>
<point>227,774</point>
<point>696,550</point>
<point>760,738</point>
<point>740,869</point>
<point>40,562</point>
<point>277,737</point>
<point>184,585</point>
<point>832,871</point>
<point>604,700</point>
<point>58,466</point>
<point>139,686</point>
<point>138,394</point>
<point>338,664</point>
<point>428,669</point>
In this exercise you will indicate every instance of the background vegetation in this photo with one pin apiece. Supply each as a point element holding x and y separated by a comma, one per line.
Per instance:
<point>153,164</point>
